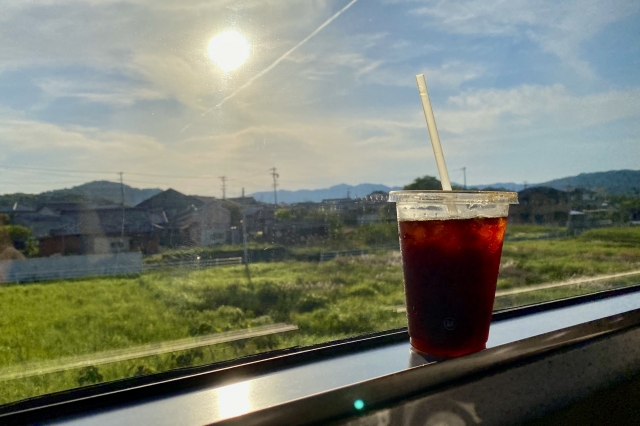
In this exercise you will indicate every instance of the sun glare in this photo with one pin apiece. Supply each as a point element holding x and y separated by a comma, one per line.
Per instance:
<point>228,50</point>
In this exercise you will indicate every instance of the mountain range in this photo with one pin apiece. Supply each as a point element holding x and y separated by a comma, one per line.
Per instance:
<point>98,192</point>
<point>617,182</point>
<point>317,195</point>
<point>111,191</point>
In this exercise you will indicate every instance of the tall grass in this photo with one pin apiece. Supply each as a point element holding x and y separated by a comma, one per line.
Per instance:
<point>330,300</point>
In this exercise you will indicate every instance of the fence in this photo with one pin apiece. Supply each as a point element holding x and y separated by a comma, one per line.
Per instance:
<point>46,268</point>
<point>203,263</point>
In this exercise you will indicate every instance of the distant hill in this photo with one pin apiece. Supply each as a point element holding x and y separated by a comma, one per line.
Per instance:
<point>511,186</point>
<point>110,191</point>
<point>618,182</point>
<point>99,192</point>
<point>317,195</point>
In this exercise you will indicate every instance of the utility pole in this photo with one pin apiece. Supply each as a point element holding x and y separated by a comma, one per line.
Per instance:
<point>122,202</point>
<point>275,185</point>
<point>243,193</point>
<point>464,172</point>
<point>246,249</point>
<point>244,237</point>
<point>224,187</point>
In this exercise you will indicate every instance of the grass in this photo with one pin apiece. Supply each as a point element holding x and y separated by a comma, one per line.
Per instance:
<point>562,292</point>
<point>535,262</point>
<point>327,301</point>
<point>629,237</point>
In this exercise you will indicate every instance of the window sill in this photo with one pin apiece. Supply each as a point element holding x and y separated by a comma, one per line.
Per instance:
<point>235,393</point>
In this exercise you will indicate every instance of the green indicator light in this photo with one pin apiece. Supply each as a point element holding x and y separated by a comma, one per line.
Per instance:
<point>358,404</point>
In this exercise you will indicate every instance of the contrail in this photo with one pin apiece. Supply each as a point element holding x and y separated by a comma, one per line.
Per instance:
<point>276,62</point>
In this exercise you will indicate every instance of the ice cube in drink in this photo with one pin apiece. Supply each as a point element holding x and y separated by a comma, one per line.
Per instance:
<point>450,274</point>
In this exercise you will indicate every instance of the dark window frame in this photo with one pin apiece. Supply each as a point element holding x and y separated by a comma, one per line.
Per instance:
<point>136,390</point>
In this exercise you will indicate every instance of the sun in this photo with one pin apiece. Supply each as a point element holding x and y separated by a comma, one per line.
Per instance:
<point>228,50</point>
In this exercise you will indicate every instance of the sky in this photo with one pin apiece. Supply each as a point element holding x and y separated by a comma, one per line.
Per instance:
<point>524,90</point>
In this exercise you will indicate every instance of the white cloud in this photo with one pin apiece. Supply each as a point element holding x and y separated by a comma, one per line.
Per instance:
<point>524,106</point>
<point>559,27</point>
<point>342,108</point>
<point>19,135</point>
<point>111,93</point>
<point>449,75</point>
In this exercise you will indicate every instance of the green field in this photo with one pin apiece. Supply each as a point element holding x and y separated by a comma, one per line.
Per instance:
<point>340,298</point>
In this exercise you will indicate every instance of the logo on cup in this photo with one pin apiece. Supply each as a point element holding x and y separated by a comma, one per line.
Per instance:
<point>449,324</point>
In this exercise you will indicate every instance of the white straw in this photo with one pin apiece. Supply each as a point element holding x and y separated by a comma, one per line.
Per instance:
<point>433,133</point>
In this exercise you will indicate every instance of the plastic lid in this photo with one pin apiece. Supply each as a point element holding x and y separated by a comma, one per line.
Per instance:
<point>457,197</point>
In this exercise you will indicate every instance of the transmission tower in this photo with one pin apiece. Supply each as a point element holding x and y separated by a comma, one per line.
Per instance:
<point>275,185</point>
<point>122,203</point>
<point>224,187</point>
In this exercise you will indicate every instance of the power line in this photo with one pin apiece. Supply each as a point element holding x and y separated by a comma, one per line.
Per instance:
<point>45,169</point>
<point>74,171</point>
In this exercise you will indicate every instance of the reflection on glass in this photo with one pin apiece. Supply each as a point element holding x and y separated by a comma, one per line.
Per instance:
<point>159,197</point>
<point>228,50</point>
<point>233,400</point>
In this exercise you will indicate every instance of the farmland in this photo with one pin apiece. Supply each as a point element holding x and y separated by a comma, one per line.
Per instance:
<point>326,301</point>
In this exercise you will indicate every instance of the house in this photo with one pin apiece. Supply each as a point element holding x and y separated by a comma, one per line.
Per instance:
<point>585,199</point>
<point>594,218</point>
<point>16,207</point>
<point>259,216</point>
<point>92,231</point>
<point>340,204</point>
<point>169,203</point>
<point>541,205</point>
<point>187,220</point>
<point>206,225</point>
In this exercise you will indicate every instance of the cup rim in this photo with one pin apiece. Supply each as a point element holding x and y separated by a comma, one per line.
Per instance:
<point>461,197</point>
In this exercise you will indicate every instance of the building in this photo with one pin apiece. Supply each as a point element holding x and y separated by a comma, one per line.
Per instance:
<point>206,225</point>
<point>169,203</point>
<point>541,205</point>
<point>186,220</point>
<point>91,231</point>
<point>340,204</point>
<point>259,216</point>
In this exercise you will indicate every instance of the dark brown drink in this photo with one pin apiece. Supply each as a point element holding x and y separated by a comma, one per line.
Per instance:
<point>450,275</point>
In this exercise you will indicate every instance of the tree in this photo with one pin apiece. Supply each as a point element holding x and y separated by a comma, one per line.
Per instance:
<point>18,237</point>
<point>235,210</point>
<point>427,183</point>
<point>424,183</point>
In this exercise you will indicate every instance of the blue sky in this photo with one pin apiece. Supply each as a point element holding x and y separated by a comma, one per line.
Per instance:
<point>522,90</point>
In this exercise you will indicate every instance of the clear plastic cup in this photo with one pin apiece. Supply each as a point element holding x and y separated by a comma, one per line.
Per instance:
<point>451,243</point>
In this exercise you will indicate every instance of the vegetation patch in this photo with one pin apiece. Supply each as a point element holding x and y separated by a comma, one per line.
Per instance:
<point>329,300</point>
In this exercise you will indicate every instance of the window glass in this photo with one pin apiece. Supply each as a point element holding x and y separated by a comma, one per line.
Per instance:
<point>188,182</point>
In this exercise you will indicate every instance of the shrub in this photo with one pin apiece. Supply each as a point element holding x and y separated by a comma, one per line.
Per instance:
<point>311,302</point>
<point>89,375</point>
